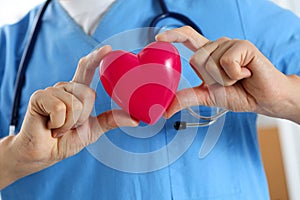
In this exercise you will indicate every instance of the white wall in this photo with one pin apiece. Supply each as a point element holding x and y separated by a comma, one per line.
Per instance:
<point>12,10</point>
<point>293,5</point>
<point>290,140</point>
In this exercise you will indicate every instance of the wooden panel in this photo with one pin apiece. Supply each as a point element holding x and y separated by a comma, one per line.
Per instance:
<point>272,158</point>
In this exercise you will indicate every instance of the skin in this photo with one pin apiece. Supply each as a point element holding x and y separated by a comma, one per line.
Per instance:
<point>58,124</point>
<point>236,76</point>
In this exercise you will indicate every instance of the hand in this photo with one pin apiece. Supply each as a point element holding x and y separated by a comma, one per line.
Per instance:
<point>58,122</point>
<point>235,75</point>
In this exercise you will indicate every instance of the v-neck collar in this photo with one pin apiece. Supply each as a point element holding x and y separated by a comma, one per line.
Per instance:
<point>89,39</point>
<point>99,35</point>
<point>108,20</point>
<point>121,16</point>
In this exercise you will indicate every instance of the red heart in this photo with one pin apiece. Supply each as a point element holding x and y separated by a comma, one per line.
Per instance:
<point>144,84</point>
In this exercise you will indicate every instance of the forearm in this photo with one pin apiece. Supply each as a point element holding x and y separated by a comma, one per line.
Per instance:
<point>9,171</point>
<point>15,161</point>
<point>291,109</point>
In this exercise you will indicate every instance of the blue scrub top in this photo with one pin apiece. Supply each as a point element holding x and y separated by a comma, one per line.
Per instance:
<point>154,162</point>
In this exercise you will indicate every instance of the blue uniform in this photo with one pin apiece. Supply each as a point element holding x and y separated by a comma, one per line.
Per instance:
<point>232,170</point>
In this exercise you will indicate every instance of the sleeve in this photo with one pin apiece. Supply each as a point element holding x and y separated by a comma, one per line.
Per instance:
<point>3,53</point>
<point>274,30</point>
<point>12,42</point>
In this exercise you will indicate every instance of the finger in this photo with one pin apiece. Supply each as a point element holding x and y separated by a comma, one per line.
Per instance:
<point>214,66</point>
<point>88,64</point>
<point>189,97</point>
<point>186,35</point>
<point>73,109</point>
<point>235,60</point>
<point>109,120</point>
<point>85,95</point>
<point>46,105</point>
<point>199,60</point>
<point>222,65</point>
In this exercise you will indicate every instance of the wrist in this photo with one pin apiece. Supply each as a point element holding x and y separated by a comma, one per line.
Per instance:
<point>10,171</point>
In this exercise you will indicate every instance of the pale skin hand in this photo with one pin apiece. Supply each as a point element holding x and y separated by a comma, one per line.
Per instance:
<point>236,76</point>
<point>58,124</point>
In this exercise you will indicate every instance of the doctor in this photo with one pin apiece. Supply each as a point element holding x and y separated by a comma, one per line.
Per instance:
<point>233,170</point>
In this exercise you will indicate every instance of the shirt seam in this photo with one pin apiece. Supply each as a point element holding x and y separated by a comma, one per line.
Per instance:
<point>241,19</point>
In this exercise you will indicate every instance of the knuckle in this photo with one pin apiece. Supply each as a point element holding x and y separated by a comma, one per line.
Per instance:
<point>59,84</point>
<point>244,43</point>
<point>34,100</point>
<point>188,28</point>
<point>228,65</point>
<point>197,58</point>
<point>82,62</point>
<point>59,107</point>
<point>50,89</point>
<point>77,105</point>
<point>226,61</point>
<point>223,39</point>
<point>193,60</point>
<point>36,95</point>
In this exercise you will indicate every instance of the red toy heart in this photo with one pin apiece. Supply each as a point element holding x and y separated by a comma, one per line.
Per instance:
<point>144,84</point>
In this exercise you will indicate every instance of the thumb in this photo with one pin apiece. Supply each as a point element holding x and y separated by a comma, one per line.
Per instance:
<point>189,97</point>
<point>110,120</point>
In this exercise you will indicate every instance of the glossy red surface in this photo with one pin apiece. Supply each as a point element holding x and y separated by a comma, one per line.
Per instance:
<point>144,85</point>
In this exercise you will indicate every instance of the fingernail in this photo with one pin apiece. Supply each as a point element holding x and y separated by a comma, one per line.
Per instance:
<point>135,121</point>
<point>246,73</point>
<point>160,36</point>
<point>54,135</point>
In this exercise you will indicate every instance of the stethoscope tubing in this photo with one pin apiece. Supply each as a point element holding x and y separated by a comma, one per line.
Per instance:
<point>20,78</point>
<point>167,14</point>
<point>206,120</point>
<point>177,16</point>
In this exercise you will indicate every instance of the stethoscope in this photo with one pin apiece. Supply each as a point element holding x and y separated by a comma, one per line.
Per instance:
<point>205,120</point>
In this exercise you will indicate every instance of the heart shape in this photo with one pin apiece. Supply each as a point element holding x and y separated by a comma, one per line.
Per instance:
<point>143,85</point>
